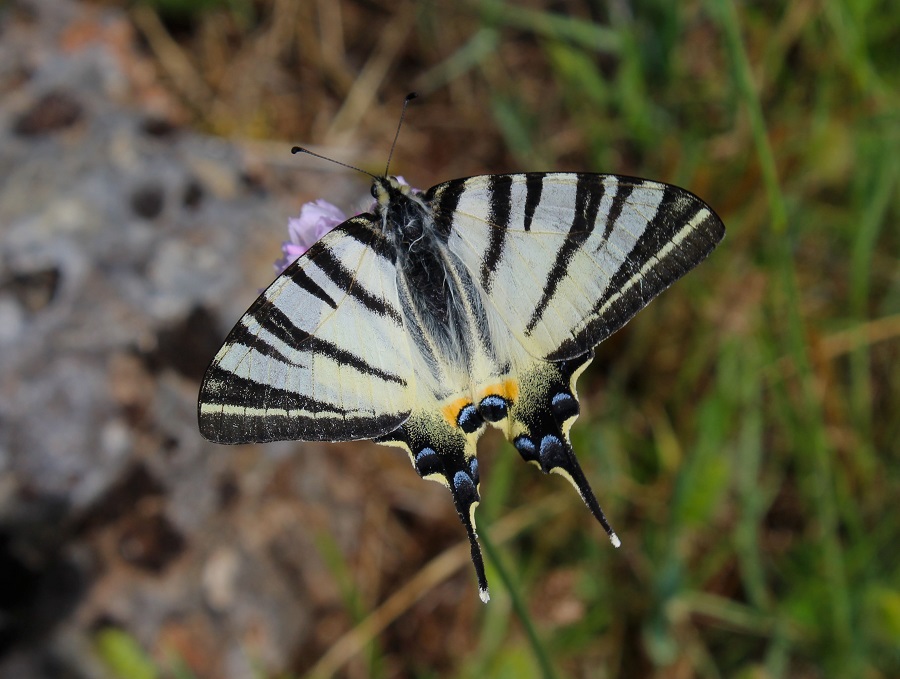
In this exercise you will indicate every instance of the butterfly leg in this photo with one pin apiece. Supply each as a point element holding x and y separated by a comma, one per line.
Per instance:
<point>540,420</point>
<point>442,453</point>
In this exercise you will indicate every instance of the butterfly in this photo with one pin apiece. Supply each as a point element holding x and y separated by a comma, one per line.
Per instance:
<point>477,302</point>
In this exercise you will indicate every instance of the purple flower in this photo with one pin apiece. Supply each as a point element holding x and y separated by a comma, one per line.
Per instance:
<point>316,219</point>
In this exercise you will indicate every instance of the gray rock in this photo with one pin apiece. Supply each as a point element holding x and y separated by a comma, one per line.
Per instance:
<point>128,249</point>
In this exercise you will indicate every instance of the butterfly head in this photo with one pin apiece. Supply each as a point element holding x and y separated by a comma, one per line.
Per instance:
<point>387,189</point>
<point>402,212</point>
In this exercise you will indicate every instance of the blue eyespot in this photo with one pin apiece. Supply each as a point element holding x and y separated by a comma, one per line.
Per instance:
<point>493,408</point>
<point>469,419</point>
<point>553,453</point>
<point>427,462</point>
<point>473,469</point>
<point>526,448</point>
<point>464,489</point>
<point>424,453</point>
<point>564,406</point>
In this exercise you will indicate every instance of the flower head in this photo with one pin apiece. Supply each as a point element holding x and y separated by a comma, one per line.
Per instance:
<point>315,220</point>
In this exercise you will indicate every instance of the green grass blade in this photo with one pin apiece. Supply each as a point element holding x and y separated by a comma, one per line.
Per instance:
<point>540,652</point>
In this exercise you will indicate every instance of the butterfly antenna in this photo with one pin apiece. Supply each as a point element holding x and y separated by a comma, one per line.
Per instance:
<point>300,149</point>
<point>409,98</point>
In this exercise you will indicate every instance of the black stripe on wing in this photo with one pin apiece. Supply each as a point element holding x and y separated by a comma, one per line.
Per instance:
<point>241,335</point>
<point>345,279</point>
<point>588,194</point>
<point>500,189</point>
<point>629,290</point>
<point>359,229</point>
<point>444,199</point>
<point>222,387</point>
<point>534,187</point>
<point>238,410</point>
<point>622,194</point>
<point>302,279</point>
<point>276,322</point>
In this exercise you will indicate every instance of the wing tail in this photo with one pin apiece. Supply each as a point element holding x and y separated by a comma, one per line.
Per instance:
<point>443,453</point>
<point>539,425</point>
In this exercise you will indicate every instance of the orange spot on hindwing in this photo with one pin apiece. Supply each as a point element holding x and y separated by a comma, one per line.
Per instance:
<point>463,413</point>
<point>507,389</point>
<point>451,410</point>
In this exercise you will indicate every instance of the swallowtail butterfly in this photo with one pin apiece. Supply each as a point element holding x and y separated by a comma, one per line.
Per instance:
<point>477,302</point>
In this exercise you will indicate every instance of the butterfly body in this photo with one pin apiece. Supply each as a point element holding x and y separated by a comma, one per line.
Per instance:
<point>475,303</point>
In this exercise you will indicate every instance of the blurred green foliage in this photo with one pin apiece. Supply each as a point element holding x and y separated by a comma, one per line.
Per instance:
<point>122,654</point>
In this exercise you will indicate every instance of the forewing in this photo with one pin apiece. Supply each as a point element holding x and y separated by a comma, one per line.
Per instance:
<point>321,355</point>
<point>568,259</point>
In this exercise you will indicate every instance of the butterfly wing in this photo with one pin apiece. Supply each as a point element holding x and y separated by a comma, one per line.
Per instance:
<point>567,259</point>
<point>308,360</point>
<point>560,262</point>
